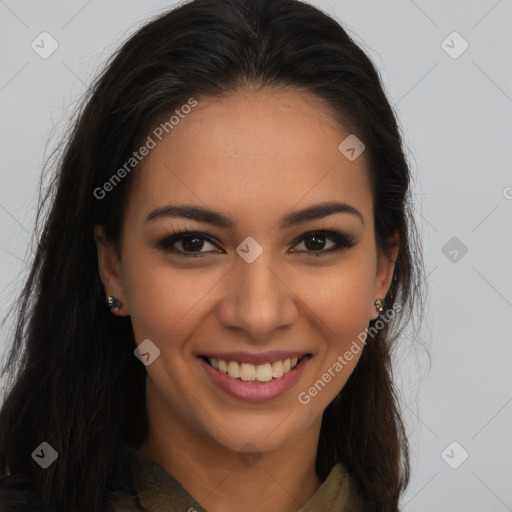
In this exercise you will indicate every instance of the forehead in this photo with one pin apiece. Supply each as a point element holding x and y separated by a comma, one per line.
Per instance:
<point>271,149</point>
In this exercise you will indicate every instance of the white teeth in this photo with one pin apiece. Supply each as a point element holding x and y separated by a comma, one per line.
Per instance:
<point>247,371</point>
<point>223,366</point>
<point>277,369</point>
<point>264,372</point>
<point>250,372</point>
<point>233,369</point>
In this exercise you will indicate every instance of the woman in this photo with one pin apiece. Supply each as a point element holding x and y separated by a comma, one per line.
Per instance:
<point>228,258</point>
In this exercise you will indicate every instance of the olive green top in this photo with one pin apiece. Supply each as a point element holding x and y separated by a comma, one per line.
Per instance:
<point>152,489</point>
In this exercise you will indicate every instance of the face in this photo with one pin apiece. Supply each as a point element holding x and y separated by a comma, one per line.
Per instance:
<point>272,286</point>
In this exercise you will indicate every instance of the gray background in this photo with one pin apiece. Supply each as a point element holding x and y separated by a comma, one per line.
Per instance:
<point>456,116</point>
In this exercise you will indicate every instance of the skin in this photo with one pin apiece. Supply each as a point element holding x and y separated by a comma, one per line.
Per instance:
<point>255,156</point>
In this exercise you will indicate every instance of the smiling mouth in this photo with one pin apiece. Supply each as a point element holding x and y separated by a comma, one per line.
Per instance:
<point>255,373</point>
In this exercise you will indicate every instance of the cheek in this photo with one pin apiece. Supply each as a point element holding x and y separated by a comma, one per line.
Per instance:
<point>341,305</point>
<point>162,299</point>
<point>340,300</point>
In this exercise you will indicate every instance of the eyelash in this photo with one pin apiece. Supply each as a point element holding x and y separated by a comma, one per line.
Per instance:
<point>342,242</point>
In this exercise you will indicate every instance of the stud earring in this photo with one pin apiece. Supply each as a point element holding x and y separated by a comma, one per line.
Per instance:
<point>114,302</point>
<point>379,305</point>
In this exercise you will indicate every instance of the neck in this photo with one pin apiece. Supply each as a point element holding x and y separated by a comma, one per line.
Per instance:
<point>220,479</point>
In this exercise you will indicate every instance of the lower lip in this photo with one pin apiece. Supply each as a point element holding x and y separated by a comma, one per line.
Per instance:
<point>255,391</point>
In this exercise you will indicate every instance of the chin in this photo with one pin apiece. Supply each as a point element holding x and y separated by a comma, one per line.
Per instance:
<point>254,433</point>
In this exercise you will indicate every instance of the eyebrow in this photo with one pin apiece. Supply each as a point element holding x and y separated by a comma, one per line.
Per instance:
<point>216,218</point>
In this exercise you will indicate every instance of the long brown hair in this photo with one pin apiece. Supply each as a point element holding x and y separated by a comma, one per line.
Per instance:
<point>73,379</point>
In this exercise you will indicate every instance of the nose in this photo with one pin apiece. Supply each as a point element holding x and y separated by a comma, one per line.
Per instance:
<point>259,301</point>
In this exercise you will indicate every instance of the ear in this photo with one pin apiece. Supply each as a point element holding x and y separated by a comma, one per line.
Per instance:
<point>109,266</point>
<point>384,272</point>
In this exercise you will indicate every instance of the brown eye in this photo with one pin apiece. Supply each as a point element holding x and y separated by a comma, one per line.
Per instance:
<point>318,242</point>
<point>315,242</point>
<point>191,244</point>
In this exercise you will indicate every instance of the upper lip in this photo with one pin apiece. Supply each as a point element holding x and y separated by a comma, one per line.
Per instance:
<point>255,359</point>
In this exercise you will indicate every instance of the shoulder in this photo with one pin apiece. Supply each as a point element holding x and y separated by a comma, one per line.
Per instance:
<point>17,495</point>
<point>120,493</point>
<point>340,492</point>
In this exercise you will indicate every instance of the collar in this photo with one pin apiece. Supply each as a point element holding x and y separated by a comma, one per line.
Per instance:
<point>158,491</point>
